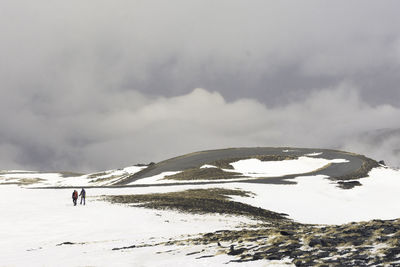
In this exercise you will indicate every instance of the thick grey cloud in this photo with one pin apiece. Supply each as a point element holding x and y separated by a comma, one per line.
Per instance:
<point>89,85</point>
<point>122,134</point>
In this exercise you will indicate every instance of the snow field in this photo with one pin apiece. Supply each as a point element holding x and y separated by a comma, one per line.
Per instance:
<point>57,179</point>
<point>258,168</point>
<point>317,200</point>
<point>34,221</point>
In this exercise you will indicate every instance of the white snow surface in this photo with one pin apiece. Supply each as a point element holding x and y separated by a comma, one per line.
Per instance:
<point>258,168</point>
<point>35,221</point>
<point>156,179</point>
<point>59,179</point>
<point>316,199</point>
<point>207,166</point>
<point>159,179</point>
<point>313,154</point>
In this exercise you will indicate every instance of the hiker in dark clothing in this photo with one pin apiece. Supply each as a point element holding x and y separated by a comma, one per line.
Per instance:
<point>83,196</point>
<point>74,197</point>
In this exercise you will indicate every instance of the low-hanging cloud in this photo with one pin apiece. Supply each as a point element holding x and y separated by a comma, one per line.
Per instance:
<point>156,128</point>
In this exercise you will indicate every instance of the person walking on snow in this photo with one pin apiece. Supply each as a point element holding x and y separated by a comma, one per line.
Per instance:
<point>83,196</point>
<point>74,197</point>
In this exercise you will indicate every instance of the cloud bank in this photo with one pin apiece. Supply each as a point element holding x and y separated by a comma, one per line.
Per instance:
<point>132,128</point>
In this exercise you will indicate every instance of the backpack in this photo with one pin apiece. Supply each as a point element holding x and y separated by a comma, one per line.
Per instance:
<point>75,194</point>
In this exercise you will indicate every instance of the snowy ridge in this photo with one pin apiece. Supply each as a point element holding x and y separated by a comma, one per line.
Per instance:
<point>251,169</point>
<point>39,179</point>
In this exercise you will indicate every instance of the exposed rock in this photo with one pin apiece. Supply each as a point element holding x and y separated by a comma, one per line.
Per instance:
<point>352,244</point>
<point>286,233</point>
<point>65,243</point>
<point>348,185</point>
<point>233,251</point>
<point>133,246</point>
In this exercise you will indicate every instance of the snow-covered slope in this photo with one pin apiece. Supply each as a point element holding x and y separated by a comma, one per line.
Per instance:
<point>44,179</point>
<point>316,199</point>
<point>41,227</point>
<point>35,222</point>
<point>250,169</point>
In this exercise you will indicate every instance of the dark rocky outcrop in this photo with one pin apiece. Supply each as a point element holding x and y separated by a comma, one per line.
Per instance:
<point>373,243</point>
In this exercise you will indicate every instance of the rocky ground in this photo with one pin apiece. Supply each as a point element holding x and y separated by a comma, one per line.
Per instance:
<point>373,243</point>
<point>200,201</point>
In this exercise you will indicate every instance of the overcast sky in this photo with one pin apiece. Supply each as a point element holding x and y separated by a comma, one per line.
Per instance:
<point>98,84</point>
